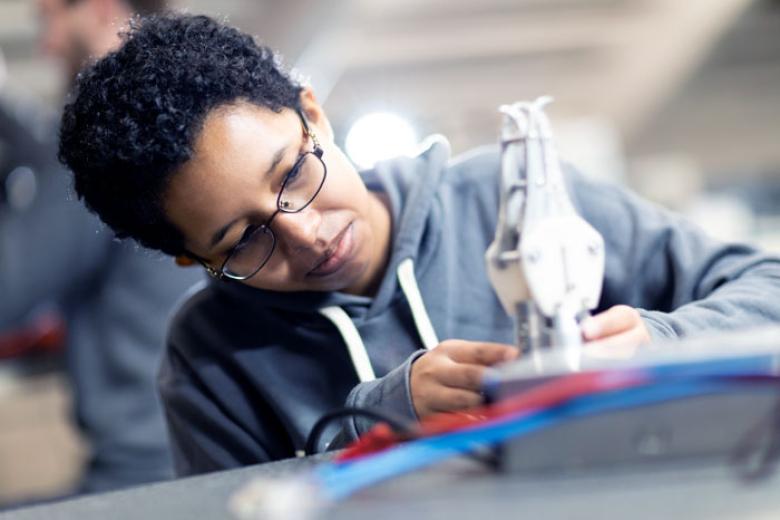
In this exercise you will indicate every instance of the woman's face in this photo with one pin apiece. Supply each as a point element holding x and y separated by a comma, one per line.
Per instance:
<point>340,242</point>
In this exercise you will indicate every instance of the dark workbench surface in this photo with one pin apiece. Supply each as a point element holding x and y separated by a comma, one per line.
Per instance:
<point>457,489</point>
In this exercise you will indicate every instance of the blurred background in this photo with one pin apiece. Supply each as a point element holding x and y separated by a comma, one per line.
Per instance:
<point>678,99</point>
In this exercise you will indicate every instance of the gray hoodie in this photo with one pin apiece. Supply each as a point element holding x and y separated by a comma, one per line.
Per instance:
<point>248,372</point>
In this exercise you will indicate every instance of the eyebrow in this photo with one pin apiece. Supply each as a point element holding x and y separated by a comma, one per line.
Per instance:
<point>217,237</point>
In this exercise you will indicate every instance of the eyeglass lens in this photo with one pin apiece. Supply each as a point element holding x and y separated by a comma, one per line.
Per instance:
<point>299,190</point>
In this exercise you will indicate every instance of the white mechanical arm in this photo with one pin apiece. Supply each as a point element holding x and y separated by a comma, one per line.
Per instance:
<point>546,262</point>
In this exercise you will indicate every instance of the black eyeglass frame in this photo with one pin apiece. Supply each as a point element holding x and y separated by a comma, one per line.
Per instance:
<point>220,273</point>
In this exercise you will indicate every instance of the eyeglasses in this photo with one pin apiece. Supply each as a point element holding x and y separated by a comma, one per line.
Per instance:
<point>300,187</point>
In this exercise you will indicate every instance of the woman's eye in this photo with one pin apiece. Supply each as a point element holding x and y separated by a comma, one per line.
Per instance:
<point>293,175</point>
<point>244,240</point>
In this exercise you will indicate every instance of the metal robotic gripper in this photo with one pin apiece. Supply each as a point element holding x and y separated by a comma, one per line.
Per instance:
<point>546,262</point>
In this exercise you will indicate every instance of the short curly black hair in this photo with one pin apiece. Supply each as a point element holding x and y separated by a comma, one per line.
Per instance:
<point>135,114</point>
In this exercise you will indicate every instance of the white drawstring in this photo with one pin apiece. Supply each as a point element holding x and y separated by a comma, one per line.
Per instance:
<point>421,320</point>
<point>357,350</point>
<point>351,336</point>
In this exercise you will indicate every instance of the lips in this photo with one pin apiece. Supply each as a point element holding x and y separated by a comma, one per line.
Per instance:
<point>336,255</point>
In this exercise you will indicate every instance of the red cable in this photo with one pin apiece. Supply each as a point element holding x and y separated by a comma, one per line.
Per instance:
<point>544,395</point>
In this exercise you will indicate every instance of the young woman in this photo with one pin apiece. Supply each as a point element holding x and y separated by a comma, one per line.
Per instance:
<point>328,286</point>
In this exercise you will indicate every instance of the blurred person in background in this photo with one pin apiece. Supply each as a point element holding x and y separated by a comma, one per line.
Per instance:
<point>115,298</point>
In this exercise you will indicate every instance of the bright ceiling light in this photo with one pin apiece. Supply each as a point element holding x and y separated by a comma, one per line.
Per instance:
<point>378,136</point>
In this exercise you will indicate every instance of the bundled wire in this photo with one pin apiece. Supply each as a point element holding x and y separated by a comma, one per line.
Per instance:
<point>557,391</point>
<point>383,453</point>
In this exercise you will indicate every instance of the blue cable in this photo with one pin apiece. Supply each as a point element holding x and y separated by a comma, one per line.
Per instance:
<point>760,364</point>
<point>339,480</point>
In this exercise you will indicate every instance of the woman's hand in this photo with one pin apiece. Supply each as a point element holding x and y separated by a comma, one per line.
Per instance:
<point>618,325</point>
<point>449,377</point>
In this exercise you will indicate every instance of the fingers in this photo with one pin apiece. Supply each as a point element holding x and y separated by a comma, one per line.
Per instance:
<point>445,399</point>
<point>449,377</point>
<point>466,377</point>
<point>613,321</point>
<point>630,338</point>
<point>618,326</point>
<point>479,353</point>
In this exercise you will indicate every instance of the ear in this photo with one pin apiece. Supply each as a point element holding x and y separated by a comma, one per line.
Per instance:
<point>184,261</point>
<point>315,115</point>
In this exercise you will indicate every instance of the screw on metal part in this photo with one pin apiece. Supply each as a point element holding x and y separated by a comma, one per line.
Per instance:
<point>652,442</point>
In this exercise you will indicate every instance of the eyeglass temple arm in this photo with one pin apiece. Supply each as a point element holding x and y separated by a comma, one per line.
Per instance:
<point>306,128</point>
<point>209,269</point>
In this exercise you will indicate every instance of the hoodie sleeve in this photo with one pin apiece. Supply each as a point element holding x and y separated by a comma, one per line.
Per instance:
<point>682,281</point>
<point>390,394</point>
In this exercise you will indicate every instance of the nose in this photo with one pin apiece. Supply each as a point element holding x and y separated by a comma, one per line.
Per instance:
<point>297,231</point>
